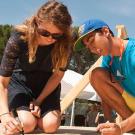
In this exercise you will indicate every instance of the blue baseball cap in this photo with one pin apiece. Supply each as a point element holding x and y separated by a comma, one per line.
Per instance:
<point>86,28</point>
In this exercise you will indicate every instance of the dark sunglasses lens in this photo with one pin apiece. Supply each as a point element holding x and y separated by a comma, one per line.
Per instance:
<point>57,36</point>
<point>43,33</point>
<point>46,33</point>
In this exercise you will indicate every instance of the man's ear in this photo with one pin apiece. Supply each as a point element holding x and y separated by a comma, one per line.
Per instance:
<point>106,31</point>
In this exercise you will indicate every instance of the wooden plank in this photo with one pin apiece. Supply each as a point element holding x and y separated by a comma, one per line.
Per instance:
<point>121,30</point>
<point>71,130</point>
<point>75,91</point>
<point>122,33</point>
<point>74,130</point>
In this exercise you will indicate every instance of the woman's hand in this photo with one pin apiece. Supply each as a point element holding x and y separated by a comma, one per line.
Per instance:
<point>10,125</point>
<point>109,129</point>
<point>35,109</point>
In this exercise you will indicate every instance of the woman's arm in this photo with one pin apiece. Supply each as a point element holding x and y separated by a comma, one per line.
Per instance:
<point>4,81</point>
<point>52,83</point>
<point>6,119</point>
<point>8,62</point>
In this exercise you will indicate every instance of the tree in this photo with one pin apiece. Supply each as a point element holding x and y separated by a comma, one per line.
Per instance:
<point>5,31</point>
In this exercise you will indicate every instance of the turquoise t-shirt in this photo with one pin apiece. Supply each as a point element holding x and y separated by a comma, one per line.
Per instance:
<point>124,69</point>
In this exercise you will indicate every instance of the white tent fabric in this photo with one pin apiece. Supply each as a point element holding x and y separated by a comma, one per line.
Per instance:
<point>70,79</point>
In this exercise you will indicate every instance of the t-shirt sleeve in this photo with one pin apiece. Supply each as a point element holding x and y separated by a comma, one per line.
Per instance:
<point>131,56</point>
<point>10,55</point>
<point>105,62</point>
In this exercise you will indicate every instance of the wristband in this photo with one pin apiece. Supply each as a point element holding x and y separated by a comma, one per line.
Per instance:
<point>4,114</point>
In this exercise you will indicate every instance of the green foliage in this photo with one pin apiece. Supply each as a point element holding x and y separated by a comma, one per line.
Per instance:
<point>81,61</point>
<point>5,31</point>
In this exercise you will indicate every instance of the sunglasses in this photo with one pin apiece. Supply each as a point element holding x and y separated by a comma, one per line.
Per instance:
<point>46,33</point>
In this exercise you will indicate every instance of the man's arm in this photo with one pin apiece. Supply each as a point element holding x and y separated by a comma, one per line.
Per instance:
<point>128,124</point>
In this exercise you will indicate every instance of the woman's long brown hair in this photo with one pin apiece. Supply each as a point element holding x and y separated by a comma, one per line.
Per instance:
<point>57,14</point>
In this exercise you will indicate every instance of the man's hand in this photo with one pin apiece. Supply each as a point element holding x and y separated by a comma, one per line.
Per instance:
<point>35,109</point>
<point>109,129</point>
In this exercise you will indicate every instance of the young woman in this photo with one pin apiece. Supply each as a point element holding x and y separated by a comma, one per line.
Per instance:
<point>33,64</point>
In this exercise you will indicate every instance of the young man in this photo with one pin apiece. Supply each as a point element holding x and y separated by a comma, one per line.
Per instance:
<point>114,80</point>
